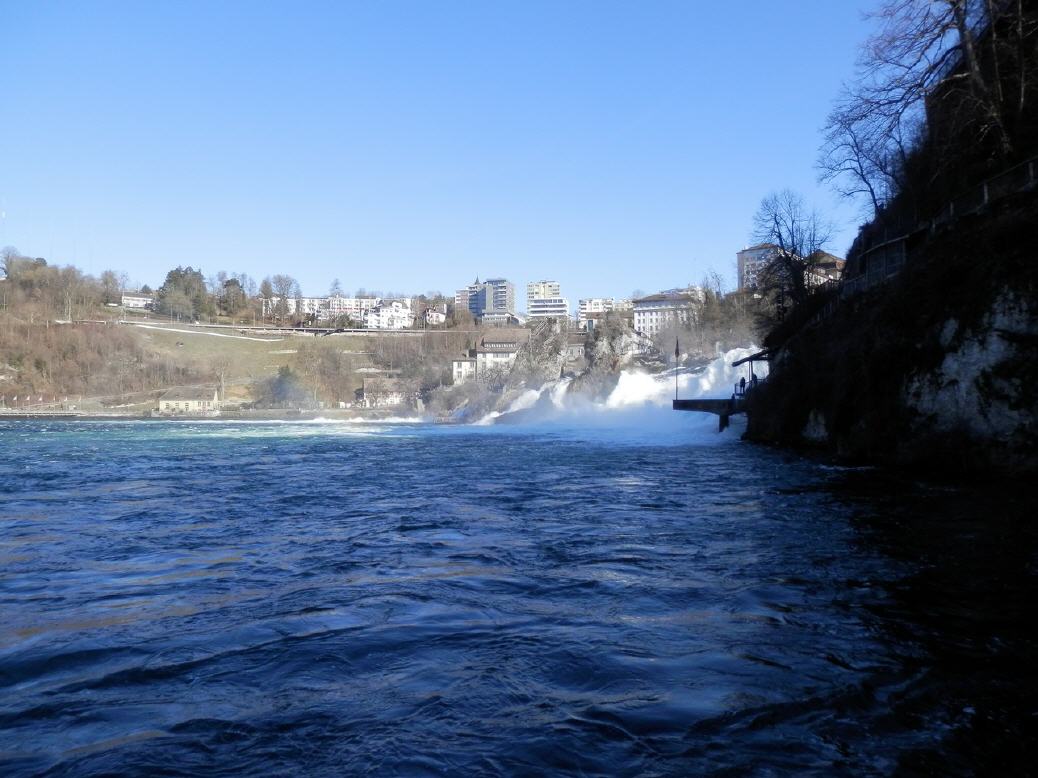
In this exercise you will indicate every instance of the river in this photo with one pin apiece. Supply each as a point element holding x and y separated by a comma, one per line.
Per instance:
<point>604,594</point>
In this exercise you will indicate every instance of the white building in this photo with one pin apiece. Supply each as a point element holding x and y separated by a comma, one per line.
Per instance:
<point>496,352</point>
<point>389,316</point>
<point>324,308</point>
<point>501,319</point>
<point>624,304</point>
<point>138,300</point>
<point>355,307</point>
<point>593,305</point>
<point>381,392</point>
<point>536,290</point>
<point>544,299</point>
<point>545,307</point>
<point>189,402</point>
<point>434,316</point>
<point>657,312</point>
<point>463,369</point>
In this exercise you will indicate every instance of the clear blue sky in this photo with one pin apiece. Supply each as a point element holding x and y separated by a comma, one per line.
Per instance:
<point>410,146</point>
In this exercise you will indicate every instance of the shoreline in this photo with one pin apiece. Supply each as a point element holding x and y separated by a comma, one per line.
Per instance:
<point>271,415</point>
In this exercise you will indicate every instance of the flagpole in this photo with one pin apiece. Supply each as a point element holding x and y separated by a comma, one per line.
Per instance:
<point>677,356</point>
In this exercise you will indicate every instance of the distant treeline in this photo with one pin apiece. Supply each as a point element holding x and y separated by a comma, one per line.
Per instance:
<point>40,354</point>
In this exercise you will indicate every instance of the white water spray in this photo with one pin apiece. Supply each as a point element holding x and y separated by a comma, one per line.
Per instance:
<point>640,400</point>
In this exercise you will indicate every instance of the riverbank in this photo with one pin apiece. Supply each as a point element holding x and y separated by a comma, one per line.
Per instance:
<point>272,414</point>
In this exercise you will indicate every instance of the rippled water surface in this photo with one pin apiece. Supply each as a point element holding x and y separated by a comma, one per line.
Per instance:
<point>644,597</point>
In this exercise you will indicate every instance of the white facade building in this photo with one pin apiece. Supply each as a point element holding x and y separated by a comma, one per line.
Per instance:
<point>389,316</point>
<point>137,300</point>
<point>593,305</point>
<point>463,369</point>
<point>539,290</point>
<point>624,304</point>
<point>495,355</point>
<point>496,352</point>
<point>192,402</point>
<point>657,312</point>
<point>354,307</point>
<point>324,308</point>
<point>434,317</point>
<point>545,307</point>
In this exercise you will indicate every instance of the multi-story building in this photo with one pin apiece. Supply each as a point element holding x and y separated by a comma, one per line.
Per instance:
<point>495,295</point>
<point>354,307</point>
<point>481,299</point>
<point>496,352</point>
<point>390,315</point>
<point>820,267</point>
<point>501,319</point>
<point>751,261</point>
<point>463,368</point>
<point>434,316</point>
<point>823,267</point>
<point>548,307</point>
<point>540,290</point>
<point>544,300</point>
<point>593,305</point>
<point>504,294</point>
<point>655,313</point>
<point>324,308</point>
<point>461,297</point>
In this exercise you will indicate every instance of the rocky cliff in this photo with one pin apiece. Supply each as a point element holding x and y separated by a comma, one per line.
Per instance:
<point>936,369</point>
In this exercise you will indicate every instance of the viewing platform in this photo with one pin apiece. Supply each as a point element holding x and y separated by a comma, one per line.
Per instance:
<point>723,408</point>
<point>726,408</point>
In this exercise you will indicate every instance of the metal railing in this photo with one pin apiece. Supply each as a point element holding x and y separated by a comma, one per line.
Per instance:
<point>885,259</point>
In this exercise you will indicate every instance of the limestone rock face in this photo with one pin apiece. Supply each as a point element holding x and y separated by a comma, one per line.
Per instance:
<point>541,359</point>
<point>978,389</point>
<point>613,346</point>
<point>937,369</point>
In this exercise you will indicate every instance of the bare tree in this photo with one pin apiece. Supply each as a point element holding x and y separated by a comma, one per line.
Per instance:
<point>798,233</point>
<point>111,286</point>
<point>968,63</point>
<point>282,290</point>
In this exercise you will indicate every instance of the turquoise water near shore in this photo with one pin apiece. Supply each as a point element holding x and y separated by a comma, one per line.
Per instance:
<point>623,593</point>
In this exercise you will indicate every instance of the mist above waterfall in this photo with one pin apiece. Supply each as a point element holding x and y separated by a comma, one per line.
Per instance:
<point>638,398</point>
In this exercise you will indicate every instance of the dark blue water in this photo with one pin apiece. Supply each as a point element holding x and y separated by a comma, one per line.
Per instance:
<point>650,598</point>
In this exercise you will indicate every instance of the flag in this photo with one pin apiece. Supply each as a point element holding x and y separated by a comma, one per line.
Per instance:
<point>677,349</point>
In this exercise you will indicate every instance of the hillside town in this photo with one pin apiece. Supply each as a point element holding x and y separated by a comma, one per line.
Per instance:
<point>490,303</point>
<point>424,344</point>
